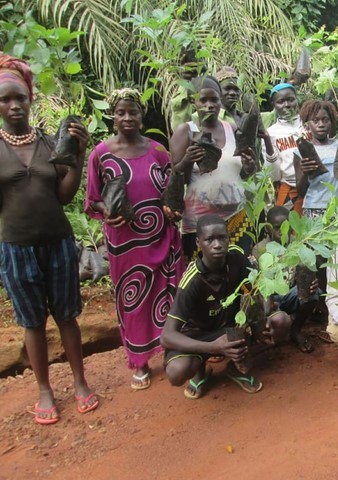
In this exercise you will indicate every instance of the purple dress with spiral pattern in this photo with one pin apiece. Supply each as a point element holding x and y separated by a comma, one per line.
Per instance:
<point>145,256</point>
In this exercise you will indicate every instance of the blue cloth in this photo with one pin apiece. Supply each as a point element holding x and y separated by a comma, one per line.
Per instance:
<point>41,279</point>
<point>281,86</point>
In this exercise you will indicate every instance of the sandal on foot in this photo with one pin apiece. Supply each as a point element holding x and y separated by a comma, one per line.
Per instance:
<point>140,382</point>
<point>48,420</point>
<point>194,391</point>
<point>247,383</point>
<point>84,404</point>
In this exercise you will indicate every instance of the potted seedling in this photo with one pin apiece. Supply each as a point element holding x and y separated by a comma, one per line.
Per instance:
<point>310,238</point>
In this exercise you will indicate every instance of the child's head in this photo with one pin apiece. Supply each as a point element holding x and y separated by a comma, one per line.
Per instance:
<point>275,217</point>
<point>213,239</point>
<point>320,117</point>
<point>284,100</point>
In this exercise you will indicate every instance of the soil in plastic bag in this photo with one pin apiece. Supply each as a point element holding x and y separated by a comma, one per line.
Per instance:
<point>173,195</point>
<point>239,333</point>
<point>304,279</point>
<point>66,148</point>
<point>307,150</point>
<point>256,310</point>
<point>246,133</point>
<point>302,71</point>
<point>114,194</point>
<point>212,152</point>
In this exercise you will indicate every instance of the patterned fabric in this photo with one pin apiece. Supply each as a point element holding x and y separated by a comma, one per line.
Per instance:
<point>289,195</point>
<point>15,70</point>
<point>42,279</point>
<point>145,256</point>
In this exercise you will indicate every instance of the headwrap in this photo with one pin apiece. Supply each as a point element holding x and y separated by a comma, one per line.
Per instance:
<point>206,81</point>
<point>16,70</point>
<point>227,75</point>
<point>128,94</point>
<point>281,86</point>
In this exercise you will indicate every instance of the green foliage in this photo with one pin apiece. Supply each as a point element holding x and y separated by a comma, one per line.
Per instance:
<point>303,239</point>
<point>324,48</point>
<point>86,230</point>
<point>56,64</point>
<point>305,13</point>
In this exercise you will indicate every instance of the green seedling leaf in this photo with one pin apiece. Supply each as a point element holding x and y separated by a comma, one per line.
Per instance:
<point>308,257</point>
<point>240,318</point>
<point>275,248</point>
<point>266,260</point>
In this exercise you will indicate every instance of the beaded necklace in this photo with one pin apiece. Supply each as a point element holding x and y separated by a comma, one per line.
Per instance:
<point>17,140</point>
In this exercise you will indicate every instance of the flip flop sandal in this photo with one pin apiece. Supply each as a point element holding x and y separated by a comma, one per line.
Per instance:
<point>140,382</point>
<point>248,384</point>
<point>85,407</point>
<point>193,390</point>
<point>47,411</point>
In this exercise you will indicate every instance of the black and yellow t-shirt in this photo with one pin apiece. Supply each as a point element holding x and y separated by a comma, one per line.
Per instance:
<point>199,295</point>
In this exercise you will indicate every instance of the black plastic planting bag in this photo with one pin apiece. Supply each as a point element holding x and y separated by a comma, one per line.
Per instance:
<point>302,71</point>
<point>173,195</point>
<point>246,133</point>
<point>114,194</point>
<point>212,152</point>
<point>307,150</point>
<point>66,148</point>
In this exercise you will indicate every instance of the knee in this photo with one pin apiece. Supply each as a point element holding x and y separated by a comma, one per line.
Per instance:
<point>175,374</point>
<point>181,369</point>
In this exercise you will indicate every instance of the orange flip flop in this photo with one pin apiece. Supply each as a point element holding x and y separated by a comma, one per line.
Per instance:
<point>85,403</point>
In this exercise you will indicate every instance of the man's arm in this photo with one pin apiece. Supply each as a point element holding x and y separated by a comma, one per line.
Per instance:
<point>172,338</point>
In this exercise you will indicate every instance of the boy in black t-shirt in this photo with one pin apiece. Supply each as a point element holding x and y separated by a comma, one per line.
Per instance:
<point>196,325</point>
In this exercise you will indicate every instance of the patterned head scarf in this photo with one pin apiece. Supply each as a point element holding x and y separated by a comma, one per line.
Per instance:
<point>15,70</point>
<point>128,94</point>
<point>227,75</point>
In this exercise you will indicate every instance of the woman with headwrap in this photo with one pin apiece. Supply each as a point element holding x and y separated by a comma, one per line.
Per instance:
<point>219,191</point>
<point>145,254</point>
<point>38,258</point>
<point>279,143</point>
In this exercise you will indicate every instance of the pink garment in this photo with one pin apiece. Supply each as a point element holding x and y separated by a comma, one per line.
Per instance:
<point>145,257</point>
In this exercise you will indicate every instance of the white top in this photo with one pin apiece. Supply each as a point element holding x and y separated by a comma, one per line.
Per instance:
<point>283,138</point>
<point>219,191</point>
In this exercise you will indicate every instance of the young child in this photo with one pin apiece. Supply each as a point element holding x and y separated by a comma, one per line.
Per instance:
<point>320,119</point>
<point>289,303</point>
<point>196,326</point>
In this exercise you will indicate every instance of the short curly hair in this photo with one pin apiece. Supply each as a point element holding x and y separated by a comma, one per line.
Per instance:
<point>310,108</point>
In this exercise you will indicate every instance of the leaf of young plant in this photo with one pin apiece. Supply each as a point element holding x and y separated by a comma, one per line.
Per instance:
<point>321,249</point>
<point>275,249</point>
<point>308,257</point>
<point>285,232</point>
<point>240,318</point>
<point>229,300</point>
<point>295,222</point>
<point>265,261</point>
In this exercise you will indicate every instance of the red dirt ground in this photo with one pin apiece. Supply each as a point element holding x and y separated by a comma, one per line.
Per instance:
<point>287,431</point>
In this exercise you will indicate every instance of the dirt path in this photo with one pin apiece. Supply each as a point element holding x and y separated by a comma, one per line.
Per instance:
<point>287,431</point>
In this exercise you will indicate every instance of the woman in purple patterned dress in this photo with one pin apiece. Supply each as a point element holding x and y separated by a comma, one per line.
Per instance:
<point>145,255</point>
